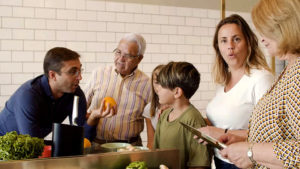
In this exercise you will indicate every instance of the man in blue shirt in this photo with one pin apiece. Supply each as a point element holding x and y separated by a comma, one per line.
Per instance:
<point>48,98</point>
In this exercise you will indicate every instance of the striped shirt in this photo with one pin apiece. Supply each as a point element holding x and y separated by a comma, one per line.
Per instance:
<point>132,93</point>
<point>276,118</point>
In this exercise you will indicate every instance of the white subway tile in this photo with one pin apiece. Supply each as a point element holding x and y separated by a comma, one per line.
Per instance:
<point>151,28</point>
<point>181,11</point>
<point>192,21</point>
<point>92,66</point>
<point>176,57</point>
<point>11,2</point>
<point>5,78</point>
<point>133,8</point>
<point>205,40</point>
<point>21,56</point>
<point>86,36</point>
<point>5,56</point>
<point>75,4</point>
<point>200,31</point>
<point>45,35</point>
<point>153,48</point>
<point>115,27</point>
<point>34,3</point>
<point>95,47</point>
<point>66,14</point>
<point>11,45</point>
<point>32,67</point>
<point>203,86</point>
<point>203,68</point>
<point>106,16</point>
<point>35,24</point>
<point>20,78</point>
<point>215,14</point>
<point>45,13</point>
<point>106,37</point>
<point>5,34</point>
<point>195,59</point>
<point>6,11</point>
<point>132,27</point>
<point>124,17</point>
<point>77,25</point>
<point>207,58</point>
<point>160,39</point>
<point>87,57</point>
<point>96,26</point>
<point>23,12</point>
<point>200,105</point>
<point>76,46</point>
<point>166,29</point>
<point>168,48</point>
<point>158,19</point>
<point>199,49</point>
<point>184,49</point>
<point>66,35</point>
<point>39,56</point>
<point>159,58</point>
<point>34,45</point>
<point>3,100</point>
<point>8,89</point>
<point>185,30</point>
<point>51,44</point>
<point>142,18</point>
<point>114,6</point>
<point>87,15</point>
<point>95,5</point>
<point>197,12</point>
<point>176,39</point>
<point>110,47</point>
<point>150,9</point>
<point>104,57</point>
<point>192,40</point>
<point>10,67</point>
<point>208,22</point>
<point>207,95</point>
<point>55,3</point>
<point>176,20</point>
<point>8,22</point>
<point>167,10</point>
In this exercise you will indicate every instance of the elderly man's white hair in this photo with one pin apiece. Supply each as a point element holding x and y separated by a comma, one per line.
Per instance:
<point>138,39</point>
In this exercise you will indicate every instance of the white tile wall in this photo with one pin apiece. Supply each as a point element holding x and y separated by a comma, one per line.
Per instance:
<point>28,28</point>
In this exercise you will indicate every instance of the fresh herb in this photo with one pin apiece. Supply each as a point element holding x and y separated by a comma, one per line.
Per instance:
<point>137,165</point>
<point>17,147</point>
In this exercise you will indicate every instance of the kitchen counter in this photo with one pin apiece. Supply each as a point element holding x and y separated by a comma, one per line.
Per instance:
<point>113,160</point>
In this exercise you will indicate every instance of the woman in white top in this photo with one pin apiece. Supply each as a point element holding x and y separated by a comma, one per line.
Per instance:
<point>243,75</point>
<point>153,110</point>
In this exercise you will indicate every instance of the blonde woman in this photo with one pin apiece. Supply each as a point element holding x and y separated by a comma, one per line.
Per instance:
<point>274,139</point>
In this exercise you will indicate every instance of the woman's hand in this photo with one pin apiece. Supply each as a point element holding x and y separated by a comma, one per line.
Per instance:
<point>99,113</point>
<point>237,154</point>
<point>229,138</point>
<point>210,131</point>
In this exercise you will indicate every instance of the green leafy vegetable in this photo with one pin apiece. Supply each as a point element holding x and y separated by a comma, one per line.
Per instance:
<point>137,165</point>
<point>17,147</point>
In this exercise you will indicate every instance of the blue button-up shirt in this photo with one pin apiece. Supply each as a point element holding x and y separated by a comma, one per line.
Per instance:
<point>32,109</point>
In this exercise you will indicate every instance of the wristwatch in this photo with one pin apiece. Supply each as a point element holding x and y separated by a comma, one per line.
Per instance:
<point>250,153</point>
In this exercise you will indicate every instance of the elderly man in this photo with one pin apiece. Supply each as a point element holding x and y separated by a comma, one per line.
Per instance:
<point>48,98</point>
<point>129,87</point>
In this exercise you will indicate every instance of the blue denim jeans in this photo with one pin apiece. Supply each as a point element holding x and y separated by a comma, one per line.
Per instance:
<point>220,164</point>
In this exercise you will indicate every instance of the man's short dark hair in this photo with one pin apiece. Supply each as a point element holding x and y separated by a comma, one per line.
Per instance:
<point>180,74</point>
<point>56,56</point>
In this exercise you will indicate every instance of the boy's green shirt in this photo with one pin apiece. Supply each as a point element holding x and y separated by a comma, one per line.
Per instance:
<point>174,135</point>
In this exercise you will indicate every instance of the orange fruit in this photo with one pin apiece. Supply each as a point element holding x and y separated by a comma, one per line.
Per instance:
<point>86,143</point>
<point>109,100</point>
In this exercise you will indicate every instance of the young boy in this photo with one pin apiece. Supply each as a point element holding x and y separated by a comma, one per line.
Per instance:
<point>178,81</point>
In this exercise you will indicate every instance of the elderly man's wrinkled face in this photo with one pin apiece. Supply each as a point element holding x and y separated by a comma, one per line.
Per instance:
<point>126,57</point>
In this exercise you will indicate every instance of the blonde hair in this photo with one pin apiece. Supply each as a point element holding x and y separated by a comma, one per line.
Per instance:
<point>279,20</point>
<point>154,100</point>
<point>254,59</point>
